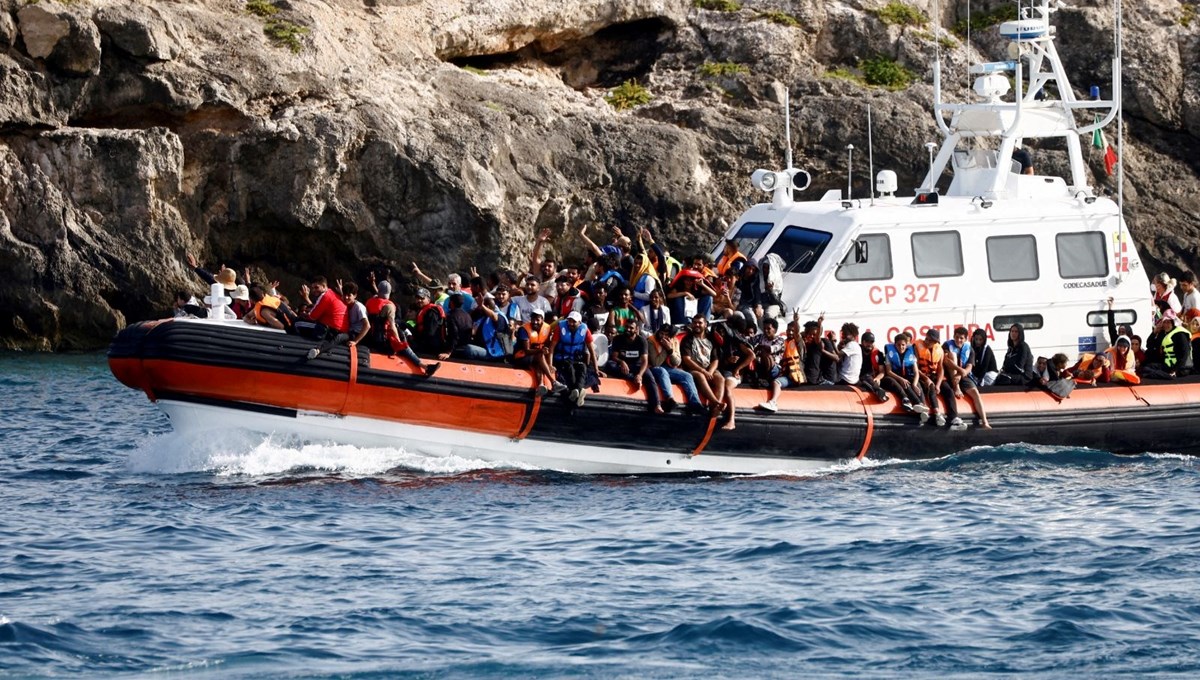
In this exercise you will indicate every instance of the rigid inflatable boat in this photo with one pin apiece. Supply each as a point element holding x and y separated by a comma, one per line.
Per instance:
<point>212,375</point>
<point>996,245</point>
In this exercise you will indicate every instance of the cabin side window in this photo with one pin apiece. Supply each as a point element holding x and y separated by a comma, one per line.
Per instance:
<point>937,253</point>
<point>1030,322</point>
<point>878,265</point>
<point>800,248</point>
<point>1012,258</point>
<point>1082,255</point>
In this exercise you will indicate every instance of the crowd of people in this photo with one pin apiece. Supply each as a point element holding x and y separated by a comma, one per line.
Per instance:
<point>631,311</point>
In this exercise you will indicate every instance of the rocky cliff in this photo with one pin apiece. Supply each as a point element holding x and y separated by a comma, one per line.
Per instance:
<point>309,136</point>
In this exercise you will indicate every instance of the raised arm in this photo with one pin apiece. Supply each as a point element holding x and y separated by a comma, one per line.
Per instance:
<point>595,249</point>
<point>416,271</point>
<point>535,256</point>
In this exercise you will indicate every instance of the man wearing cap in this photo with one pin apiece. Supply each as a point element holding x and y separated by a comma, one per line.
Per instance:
<point>571,347</point>
<point>381,312</point>
<point>930,358</point>
<point>1167,349</point>
<point>533,351</point>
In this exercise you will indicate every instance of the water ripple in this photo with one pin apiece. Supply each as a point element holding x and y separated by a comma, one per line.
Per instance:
<point>127,550</point>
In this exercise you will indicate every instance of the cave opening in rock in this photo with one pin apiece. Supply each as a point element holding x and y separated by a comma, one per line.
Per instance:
<point>605,58</point>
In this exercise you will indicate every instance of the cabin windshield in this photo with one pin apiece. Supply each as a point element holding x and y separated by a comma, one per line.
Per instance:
<point>750,236</point>
<point>800,248</point>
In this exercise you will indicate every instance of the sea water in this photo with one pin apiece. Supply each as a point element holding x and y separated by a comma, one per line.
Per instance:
<point>126,550</point>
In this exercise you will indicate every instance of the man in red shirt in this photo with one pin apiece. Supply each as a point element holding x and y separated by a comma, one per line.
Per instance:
<point>328,313</point>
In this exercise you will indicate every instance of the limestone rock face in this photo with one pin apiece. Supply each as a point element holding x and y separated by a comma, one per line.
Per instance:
<point>88,232</point>
<point>66,39</point>
<point>299,137</point>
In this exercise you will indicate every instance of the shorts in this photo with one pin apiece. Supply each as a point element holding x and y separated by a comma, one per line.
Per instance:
<point>730,376</point>
<point>967,383</point>
<point>523,362</point>
<point>782,381</point>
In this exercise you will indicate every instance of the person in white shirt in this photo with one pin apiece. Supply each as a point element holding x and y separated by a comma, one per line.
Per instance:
<point>532,299</point>
<point>851,356</point>
<point>1191,298</point>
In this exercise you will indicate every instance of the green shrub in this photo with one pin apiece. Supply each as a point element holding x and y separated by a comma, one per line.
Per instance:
<point>285,33</point>
<point>475,70</point>
<point>1187,14</point>
<point>781,18</point>
<point>718,5</point>
<point>886,72</point>
<point>716,69</point>
<point>843,73</point>
<point>984,20</point>
<point>261,8</point>
<point>946,42</point>
<point>897,13</point>
<point>628,95</point>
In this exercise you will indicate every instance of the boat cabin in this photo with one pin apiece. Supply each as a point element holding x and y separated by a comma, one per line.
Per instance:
<point>996,247</point>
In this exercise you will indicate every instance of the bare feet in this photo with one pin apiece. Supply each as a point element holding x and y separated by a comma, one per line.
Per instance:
<point>729,426</point>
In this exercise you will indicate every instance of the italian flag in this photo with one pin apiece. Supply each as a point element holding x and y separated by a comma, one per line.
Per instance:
<point>1110,156</point>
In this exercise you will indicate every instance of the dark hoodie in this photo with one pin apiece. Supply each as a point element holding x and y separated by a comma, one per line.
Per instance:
<point>985,359</point>
<point>1018,360</point>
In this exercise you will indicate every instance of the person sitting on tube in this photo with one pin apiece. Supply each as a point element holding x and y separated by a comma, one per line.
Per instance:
<point>571,348</point>
<point>533,351</point>
<point>902,376</point>
<point>628,359</point>
<point>959,362</point>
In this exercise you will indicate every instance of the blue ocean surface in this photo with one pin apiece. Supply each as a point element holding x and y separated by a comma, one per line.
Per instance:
<point>126,550</point>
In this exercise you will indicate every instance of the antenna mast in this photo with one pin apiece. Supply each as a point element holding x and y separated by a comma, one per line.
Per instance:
<point>849,171</point>
<point>787,133</point>
<point>1120,140</point>
<point>870,156</point>
<point>787,124</point>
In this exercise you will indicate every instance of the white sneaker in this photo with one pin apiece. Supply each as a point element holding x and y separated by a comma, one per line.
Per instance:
<point>940,419</point>
<point>924,416</point>
<point>313,353</point>
<point>769,406</point>
<point>921,408</point>
<point>579,398</point>
<point>958,425</point>
<point>573,395</point>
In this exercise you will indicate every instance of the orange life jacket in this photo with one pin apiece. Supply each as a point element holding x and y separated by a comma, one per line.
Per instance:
<point>273,303</point>
<point>791,364</point>
<point>929,358</point>
<point>728,261</point>
<point>537,339</point>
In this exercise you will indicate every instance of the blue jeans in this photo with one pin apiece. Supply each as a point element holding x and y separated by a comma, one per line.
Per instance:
<point>472,352</point>
<point>665,377</point>
<point>704,305</point>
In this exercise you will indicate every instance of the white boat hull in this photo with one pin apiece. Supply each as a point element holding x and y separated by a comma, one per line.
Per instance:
<point>195,419</point>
